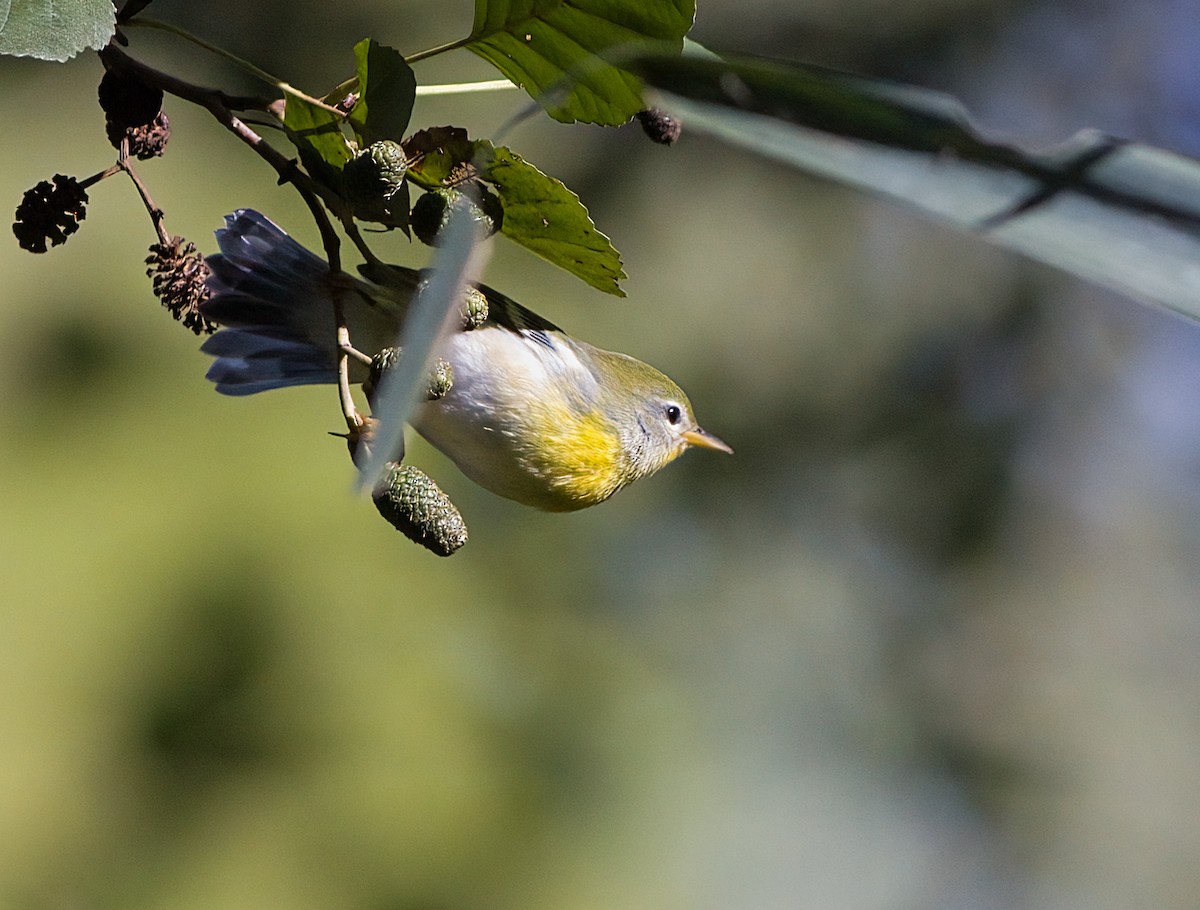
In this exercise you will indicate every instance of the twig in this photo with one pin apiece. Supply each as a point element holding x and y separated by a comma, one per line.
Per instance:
<point>350,351</point>
<point>246,65</point>
<point>103,175</point>
<point>222,106</point>
<point>113,57</point>
<point>156,214</point>
<point>313,194</point>
<point>434,51</point>
<point>360,244</point>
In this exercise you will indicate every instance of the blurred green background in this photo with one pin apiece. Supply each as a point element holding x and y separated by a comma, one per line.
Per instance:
<point>928,640</point>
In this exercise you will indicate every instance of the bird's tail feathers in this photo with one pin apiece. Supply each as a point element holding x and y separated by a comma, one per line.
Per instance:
<point>274,301</point>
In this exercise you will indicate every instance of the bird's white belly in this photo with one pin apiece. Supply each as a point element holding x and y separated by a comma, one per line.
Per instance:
<point>506,385</point>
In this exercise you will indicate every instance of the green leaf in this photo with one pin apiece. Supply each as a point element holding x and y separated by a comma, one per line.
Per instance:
<point>440,156</point>
<point>552,49</point>
<point>54,29</point>
<point>542,215</point>
<point>317,135</point>
<point>1120,214</point>
<point>387,88</point>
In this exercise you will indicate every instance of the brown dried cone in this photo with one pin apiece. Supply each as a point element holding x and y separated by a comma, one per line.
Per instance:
<point>149,140</point>
<point>50,213</point>
<point>133,109</point>
<point>179,273</point>
<point>418,508</point>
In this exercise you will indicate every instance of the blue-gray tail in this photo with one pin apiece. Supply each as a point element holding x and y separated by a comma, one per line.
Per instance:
<point>274,302</point>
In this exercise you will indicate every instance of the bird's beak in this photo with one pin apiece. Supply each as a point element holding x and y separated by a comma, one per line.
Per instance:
<point>705,440</point>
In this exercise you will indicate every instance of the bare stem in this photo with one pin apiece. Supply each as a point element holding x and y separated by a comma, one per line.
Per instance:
<point>313,194</point>
<point>222,106</point>
<point>237,61</point>
<point>349,409</point>
<point>113,56</point>
<point>354,353</point>
<point>156,214</point>
<point>103,175</point>
<point>332,244</point>
<point>360,244</point>
<point>434,51</point>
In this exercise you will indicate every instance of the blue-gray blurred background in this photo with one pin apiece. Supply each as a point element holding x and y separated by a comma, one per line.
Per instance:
<point>928,640</point>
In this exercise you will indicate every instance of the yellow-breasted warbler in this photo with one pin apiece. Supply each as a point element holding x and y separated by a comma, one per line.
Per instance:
<point>532,415</point>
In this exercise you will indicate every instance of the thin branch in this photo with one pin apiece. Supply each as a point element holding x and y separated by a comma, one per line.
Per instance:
<point>237,61</point>
<point>221,106</point>
<point>311,192</point>
<point>349,410</point>
<point>441,49</point>
<point>114,57</point>
<point>333,246</point>
<point>156,213</point>
<point>354,353</point>
<point>360,244</point>
<point>103,175</point>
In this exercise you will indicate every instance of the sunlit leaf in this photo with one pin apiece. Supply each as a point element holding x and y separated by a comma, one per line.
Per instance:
<point>55,29</point>
<point>439,155</point>
<point>542,215</point>
<point>553,44</point>
<point>1121,214</point>
<point>317,135</point>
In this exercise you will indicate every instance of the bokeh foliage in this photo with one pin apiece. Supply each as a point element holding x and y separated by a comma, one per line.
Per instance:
<point>928,639</point>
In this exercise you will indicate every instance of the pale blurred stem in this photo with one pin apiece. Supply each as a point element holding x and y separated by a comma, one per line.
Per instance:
<point>237,61</point>
<point>453,88</point>
<point>467,88</point>
<point>349,410</point>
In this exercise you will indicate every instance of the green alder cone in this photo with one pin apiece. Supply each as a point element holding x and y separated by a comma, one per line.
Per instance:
<point>375,185</point>
<point>475,309</point>
<point>441,375</point>
<point>432,211</point>
<point>418,508</point>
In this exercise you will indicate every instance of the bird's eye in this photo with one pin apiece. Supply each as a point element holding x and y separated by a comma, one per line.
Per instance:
<point>673,414</point>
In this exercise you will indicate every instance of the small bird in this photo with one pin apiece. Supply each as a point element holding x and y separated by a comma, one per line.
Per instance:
<point>532,414</point>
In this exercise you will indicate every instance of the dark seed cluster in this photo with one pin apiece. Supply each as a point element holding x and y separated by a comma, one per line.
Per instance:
<point>50,212</point>
<point>133,109</point>
<point>149,140</point>
<point>660,126</point>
